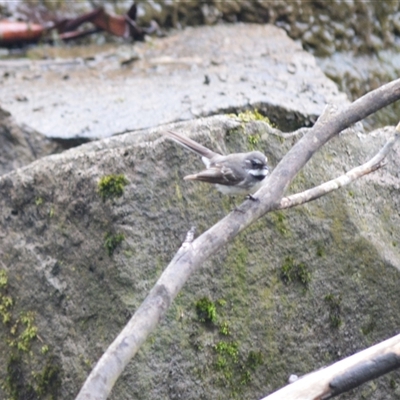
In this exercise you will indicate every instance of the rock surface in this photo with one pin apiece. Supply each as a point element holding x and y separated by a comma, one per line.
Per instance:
<point>272,321</point>
<point>198,72</point>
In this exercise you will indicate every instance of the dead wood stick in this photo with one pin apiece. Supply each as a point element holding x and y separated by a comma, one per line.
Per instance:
<point>110,366</point>
<point>345,374</point>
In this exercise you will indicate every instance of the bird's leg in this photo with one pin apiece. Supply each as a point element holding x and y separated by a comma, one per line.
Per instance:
<point>248,197</point>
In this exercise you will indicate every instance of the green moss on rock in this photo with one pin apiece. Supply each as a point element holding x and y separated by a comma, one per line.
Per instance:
<point>22,380</point>
<point>206,310</point>
<point>334,305</point>
<point>112,186</point>
<point>48,380</point>
<point>112,241</point>
<point>295,272</point>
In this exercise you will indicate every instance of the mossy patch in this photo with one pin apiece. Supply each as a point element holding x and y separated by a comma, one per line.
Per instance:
<point>20,384</point>
<point>112,186</point>
<point>32,371</point>
<point>253,141</point>
<point>15,385</point>
<point>248,116</point>
<point>254,359</point>
<point>6,302</point>
<point>112,241</point>
<point>278,218</point>
<point>234,367</point>
<point>295,272</point>
<point>334,305</point>
<point>206,310</point>
<point>251,115</point>
<point>48,380</point>
<point>320,251</point>
<point>224,328</point>
<point>369,326</point>
<point>23,332</point>
<point>227,355</point>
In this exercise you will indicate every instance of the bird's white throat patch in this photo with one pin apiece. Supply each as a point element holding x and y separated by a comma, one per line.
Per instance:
<point>259,172</point>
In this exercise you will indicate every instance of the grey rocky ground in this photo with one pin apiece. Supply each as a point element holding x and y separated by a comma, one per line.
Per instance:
<point>343,250</point>
<point>198,72</point>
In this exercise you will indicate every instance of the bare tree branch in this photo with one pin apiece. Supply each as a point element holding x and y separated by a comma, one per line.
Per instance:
<point>102,378</point>
<point>372,165</point>
<point>345,374</point>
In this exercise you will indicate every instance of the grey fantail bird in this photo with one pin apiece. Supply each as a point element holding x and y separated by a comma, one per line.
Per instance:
<point>234,174</point>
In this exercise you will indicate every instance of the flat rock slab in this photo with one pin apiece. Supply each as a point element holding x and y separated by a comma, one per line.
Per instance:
<point>197,72</point>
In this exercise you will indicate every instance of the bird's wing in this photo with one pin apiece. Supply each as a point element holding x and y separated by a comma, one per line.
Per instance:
<point>221,176</point>
<point>191,144</point>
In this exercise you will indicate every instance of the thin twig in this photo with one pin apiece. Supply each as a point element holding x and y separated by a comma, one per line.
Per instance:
<point>311,194</point>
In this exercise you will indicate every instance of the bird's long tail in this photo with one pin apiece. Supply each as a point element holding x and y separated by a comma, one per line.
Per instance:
<point>190,144</point>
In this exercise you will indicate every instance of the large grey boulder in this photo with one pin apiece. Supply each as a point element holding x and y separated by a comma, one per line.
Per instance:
<point>20,145</point>
<point>195,73</point>
<point>298,290</point>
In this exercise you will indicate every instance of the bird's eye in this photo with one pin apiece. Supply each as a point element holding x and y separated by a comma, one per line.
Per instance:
<point>256,163</point>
